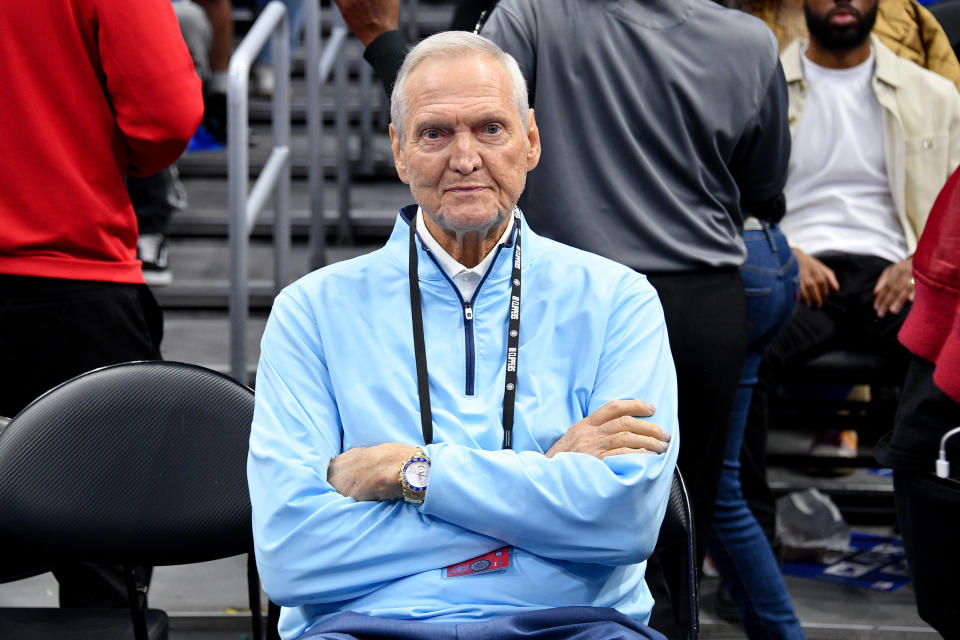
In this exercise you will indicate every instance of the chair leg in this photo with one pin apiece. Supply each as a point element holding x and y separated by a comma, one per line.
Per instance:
<point>273,621</point>
<point>253,595</point>
<point>137,596</point>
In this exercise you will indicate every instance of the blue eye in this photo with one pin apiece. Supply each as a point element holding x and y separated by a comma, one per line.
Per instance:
<point>492,129</point>
<point>431,134</point>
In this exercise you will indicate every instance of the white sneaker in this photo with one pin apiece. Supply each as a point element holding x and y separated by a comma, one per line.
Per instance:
<point>263,80</point>
<point>152,252</point>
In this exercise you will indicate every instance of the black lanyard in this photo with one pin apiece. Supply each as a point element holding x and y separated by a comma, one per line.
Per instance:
<point>513,342</point>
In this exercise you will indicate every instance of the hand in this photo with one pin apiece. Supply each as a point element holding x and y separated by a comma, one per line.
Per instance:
<point>613,430</point>
<point>369,473</point>
<point>367,19</point>
<point>894,288</point>
<point>817,280</point>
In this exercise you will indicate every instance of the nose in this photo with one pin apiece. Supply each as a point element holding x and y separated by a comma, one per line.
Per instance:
<point>465,155</point>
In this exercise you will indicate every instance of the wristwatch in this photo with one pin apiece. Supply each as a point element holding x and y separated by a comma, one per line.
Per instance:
<point>414,476</point>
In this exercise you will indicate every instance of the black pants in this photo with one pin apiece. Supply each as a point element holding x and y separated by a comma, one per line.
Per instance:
<point>706,318</point>
<point>149,198</point>
<point>928,507</point>
<point>52,330</point>
<point>928,510</point>
<point>846,320</point>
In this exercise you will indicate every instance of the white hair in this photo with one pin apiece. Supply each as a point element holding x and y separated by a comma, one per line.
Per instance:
<point>454,44</point>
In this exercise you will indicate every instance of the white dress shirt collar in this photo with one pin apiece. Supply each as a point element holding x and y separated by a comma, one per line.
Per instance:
<point>465,279</point>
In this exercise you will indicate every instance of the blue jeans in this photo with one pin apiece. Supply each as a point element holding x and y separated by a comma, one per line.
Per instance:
<point>737,544</point>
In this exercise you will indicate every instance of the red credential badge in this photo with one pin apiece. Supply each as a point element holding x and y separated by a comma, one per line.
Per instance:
<point>496,560</point>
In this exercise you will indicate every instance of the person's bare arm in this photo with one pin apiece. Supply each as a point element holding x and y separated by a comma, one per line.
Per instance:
<point>894,288</point>
<point>368,19</point>
<point>817,280</point>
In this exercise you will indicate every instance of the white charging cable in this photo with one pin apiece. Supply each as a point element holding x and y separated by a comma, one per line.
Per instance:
<point>943,466</point>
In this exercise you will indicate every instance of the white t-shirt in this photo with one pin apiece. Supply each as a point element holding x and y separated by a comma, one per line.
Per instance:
<point>837,191</point>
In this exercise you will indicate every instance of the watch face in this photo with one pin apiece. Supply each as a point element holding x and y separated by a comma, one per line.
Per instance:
<point>417,474</point>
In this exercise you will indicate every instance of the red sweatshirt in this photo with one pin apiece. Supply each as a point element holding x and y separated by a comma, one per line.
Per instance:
<point>932,330</point>
<point>91,90</point>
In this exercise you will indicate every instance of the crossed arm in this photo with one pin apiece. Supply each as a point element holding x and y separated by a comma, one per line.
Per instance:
<point>316,544</point>
<point>371,473</point>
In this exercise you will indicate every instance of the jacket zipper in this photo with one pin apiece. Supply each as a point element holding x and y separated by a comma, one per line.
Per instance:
<point>469,346</point>
<point>468,342</point>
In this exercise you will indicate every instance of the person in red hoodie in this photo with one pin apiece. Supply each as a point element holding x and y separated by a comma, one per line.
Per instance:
<point>928,497</point>
<point>92,91</point>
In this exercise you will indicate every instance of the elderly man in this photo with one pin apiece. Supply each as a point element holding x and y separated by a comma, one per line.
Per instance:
<point>665,126</point>
<point>413,469</point>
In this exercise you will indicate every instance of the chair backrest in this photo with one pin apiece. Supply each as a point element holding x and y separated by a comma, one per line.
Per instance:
<point>678,528</point>
<point>137,463</point>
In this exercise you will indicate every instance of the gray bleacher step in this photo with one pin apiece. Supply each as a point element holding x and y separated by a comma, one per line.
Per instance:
<point>261,109</point>
<point>201,268</point>
<point>203,338</point>
<point>214,163</point>
<point>208,260</point>
<point>374,206</point>
<point>862,493</point>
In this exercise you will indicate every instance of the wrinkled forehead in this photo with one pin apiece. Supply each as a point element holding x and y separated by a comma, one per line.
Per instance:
<point>459,81</point>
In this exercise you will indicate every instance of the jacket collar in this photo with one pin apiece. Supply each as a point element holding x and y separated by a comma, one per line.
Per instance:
<point>428,270</point>
<point>888,68</point>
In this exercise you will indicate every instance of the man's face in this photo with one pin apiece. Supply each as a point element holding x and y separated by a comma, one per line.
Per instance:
<point>464,154</point>
<point>840,25</point>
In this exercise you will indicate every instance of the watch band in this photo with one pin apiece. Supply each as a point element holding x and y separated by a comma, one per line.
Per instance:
<point>415,493</point>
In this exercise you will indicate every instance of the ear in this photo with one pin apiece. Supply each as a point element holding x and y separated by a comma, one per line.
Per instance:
<point>533,138</point>
<point>398,155</point>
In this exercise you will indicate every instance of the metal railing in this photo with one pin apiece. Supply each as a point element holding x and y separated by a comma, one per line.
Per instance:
<point>274,179</point>
<point>320,64</point>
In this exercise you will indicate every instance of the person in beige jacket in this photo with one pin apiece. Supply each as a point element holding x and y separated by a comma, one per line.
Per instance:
<point>905,26</point>
<point>921,128</point>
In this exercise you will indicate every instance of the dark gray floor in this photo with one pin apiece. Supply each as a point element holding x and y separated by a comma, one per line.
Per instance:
<point>208,601</point>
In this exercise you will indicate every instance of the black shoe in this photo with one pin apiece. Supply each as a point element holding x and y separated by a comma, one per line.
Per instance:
<point>215,115</point>
<point>724,606</point>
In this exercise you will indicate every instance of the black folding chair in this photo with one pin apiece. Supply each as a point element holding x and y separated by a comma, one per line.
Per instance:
<point>135,464</point>
<point>678,528</point>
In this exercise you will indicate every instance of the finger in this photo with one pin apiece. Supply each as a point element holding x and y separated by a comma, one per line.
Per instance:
<point>832,280</point>
<point>635,426</point>
<point>823,290</point>
<point>630,440</point>
<point>622,451</point>
<point>619,408</point>
<point>815,299</point>
<point>882,301</point>
<point>881,283</point>
<point>897,305</point>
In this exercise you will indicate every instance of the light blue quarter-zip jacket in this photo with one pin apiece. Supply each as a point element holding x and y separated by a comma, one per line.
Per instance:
<point>337,371</point>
